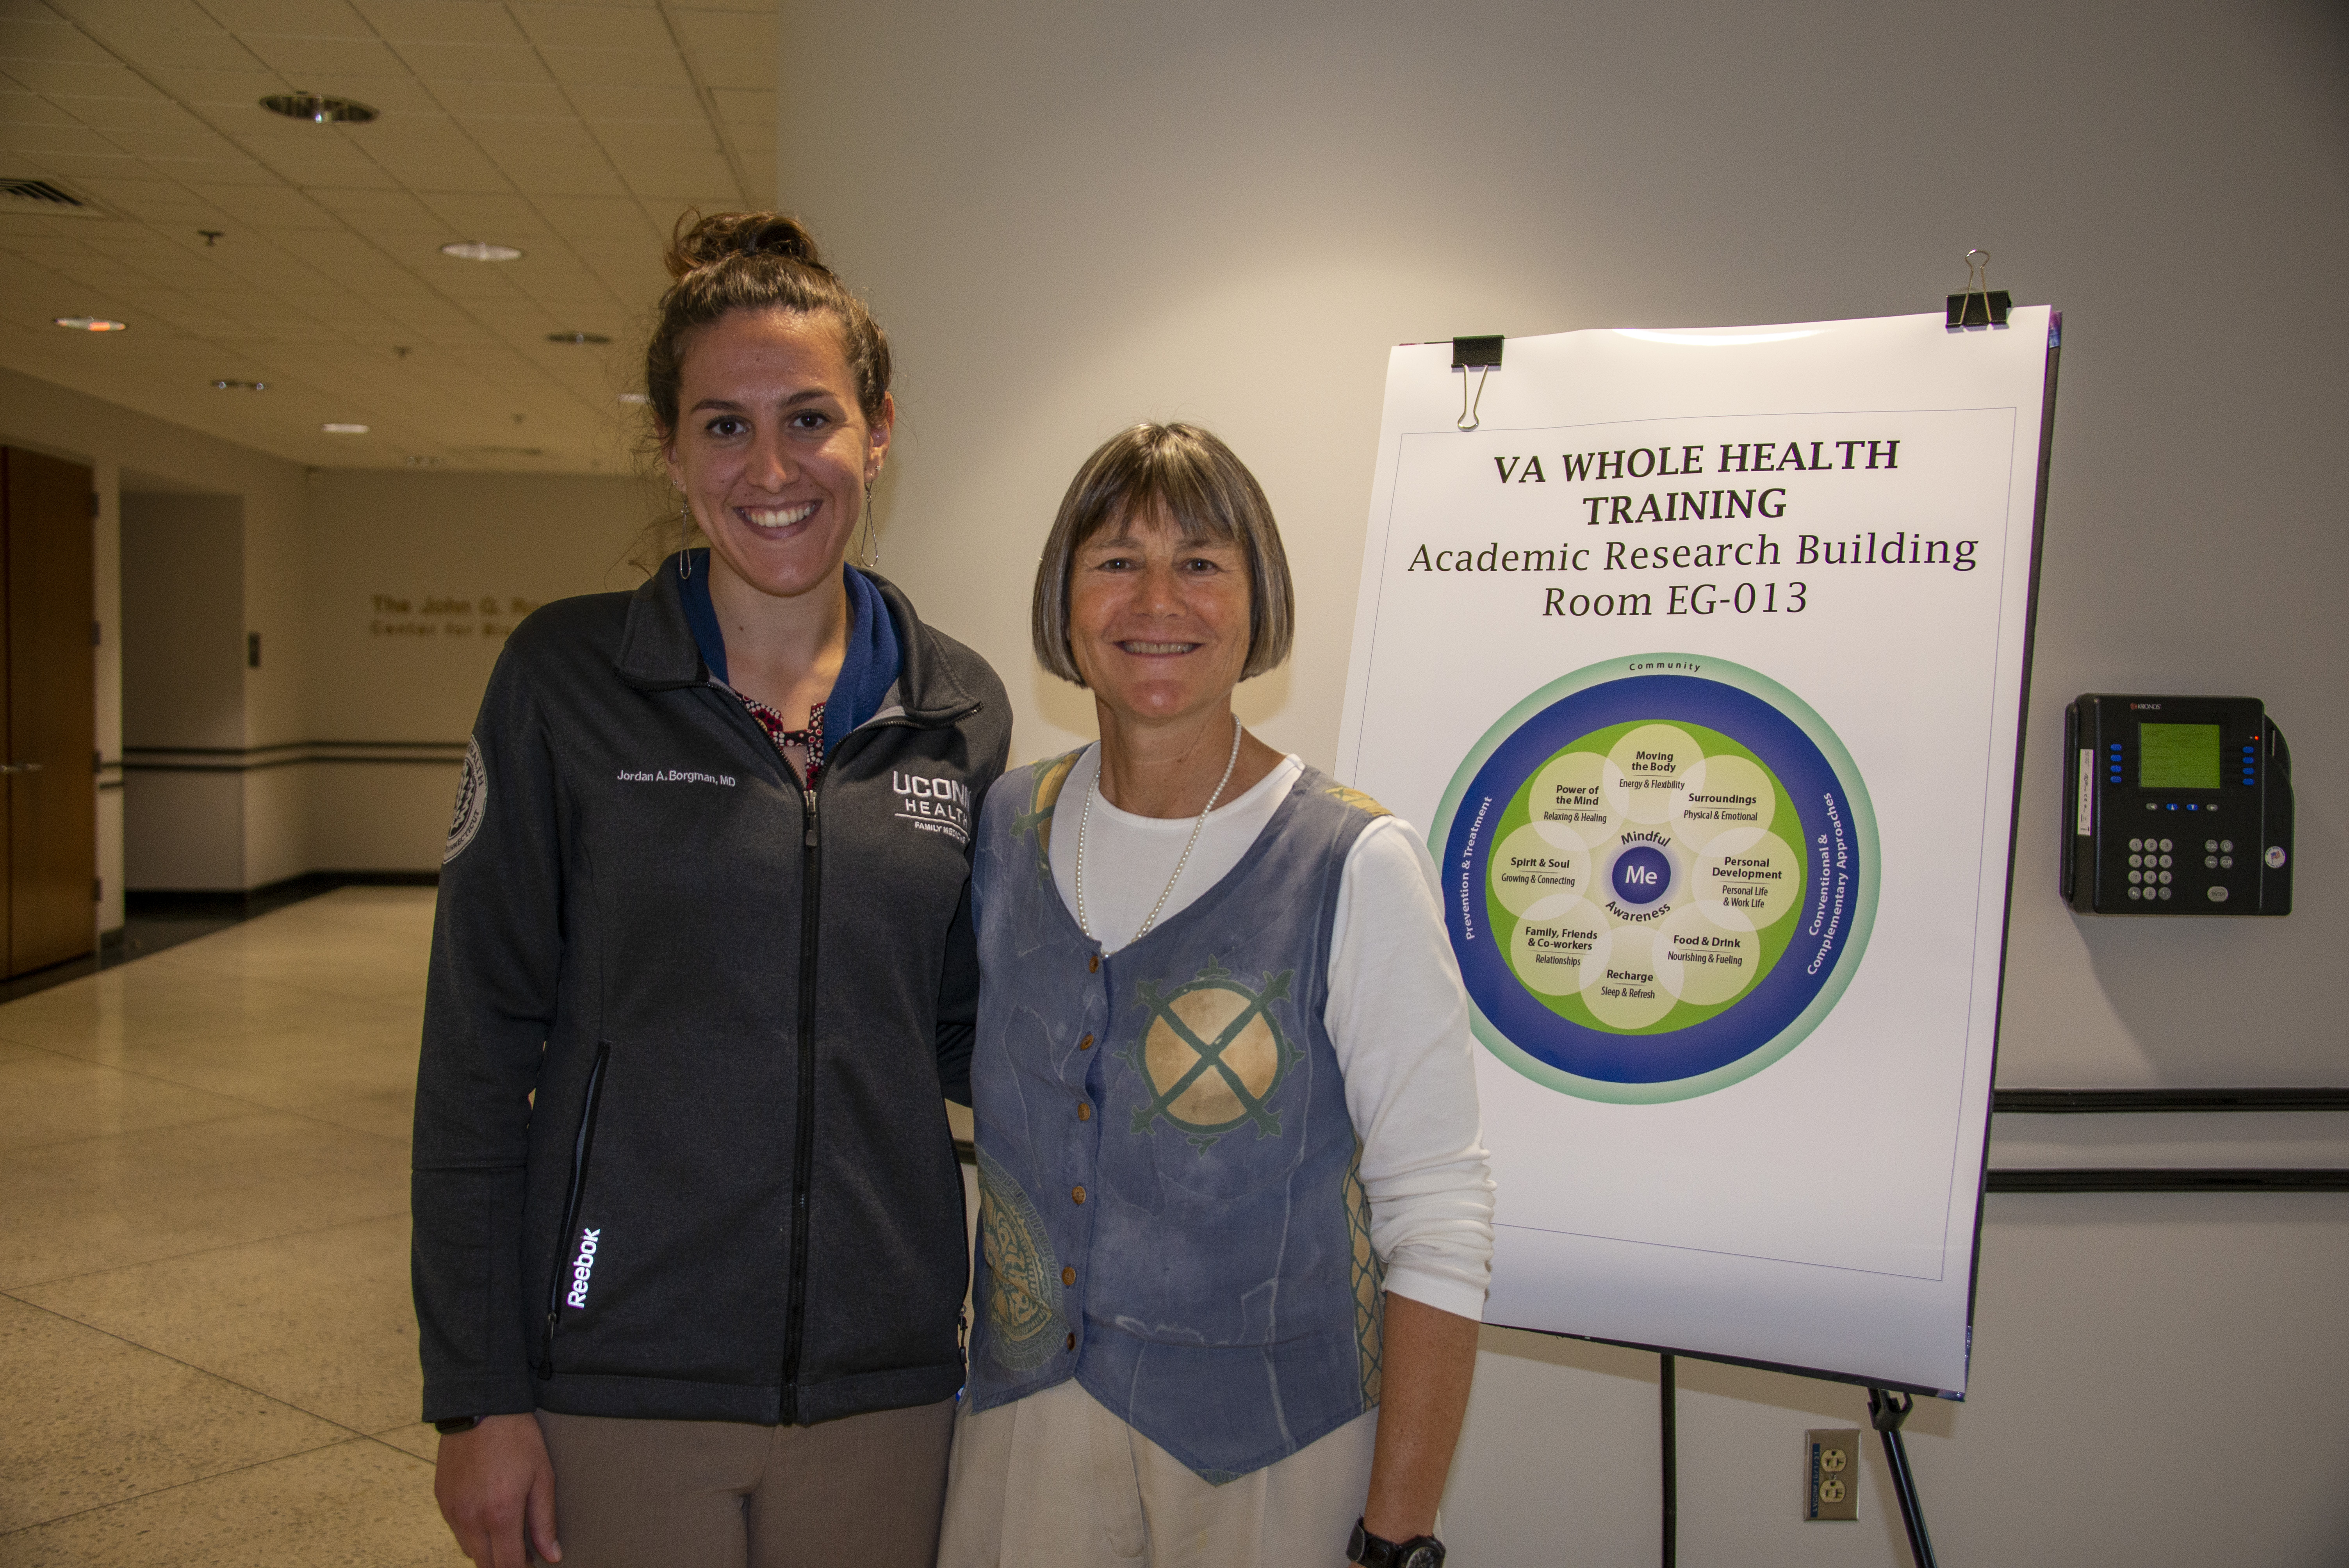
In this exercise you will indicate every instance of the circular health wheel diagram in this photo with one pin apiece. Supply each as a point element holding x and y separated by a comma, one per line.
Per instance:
<point>1660,873</point>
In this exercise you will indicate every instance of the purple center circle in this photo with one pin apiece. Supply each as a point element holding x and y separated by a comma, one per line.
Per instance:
<point>1642,874</point>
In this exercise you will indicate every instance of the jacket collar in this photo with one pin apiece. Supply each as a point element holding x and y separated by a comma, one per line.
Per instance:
<point>658,652</point>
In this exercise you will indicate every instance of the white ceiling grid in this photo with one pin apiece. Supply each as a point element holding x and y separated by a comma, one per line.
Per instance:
<point>575,131</point>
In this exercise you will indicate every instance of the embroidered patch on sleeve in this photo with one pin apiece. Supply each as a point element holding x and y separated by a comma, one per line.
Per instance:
<point>473,801</point>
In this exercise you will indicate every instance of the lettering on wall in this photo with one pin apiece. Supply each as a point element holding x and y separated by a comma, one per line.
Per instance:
<point>418,617</point>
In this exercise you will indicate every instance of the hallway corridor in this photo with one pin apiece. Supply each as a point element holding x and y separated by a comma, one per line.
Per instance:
<point>206,1338</point>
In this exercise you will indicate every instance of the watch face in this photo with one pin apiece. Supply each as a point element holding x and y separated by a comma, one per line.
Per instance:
<point>1428,1556</point>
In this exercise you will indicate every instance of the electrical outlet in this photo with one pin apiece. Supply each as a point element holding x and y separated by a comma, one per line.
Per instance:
<point>1831,1474</point>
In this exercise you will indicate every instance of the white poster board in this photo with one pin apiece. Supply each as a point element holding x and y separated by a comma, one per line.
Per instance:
<point>1700,664</point>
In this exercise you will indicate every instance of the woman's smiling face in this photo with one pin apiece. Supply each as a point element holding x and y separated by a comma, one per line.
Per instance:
<point>772,448</point>
<point>1158,622</point>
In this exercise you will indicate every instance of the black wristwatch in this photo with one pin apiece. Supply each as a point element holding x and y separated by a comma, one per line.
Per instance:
<point>455,1424</point>
<point>1378,1551</point>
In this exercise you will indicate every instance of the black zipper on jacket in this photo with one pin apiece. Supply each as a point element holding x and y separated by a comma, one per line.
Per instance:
<point>582,1149</point>
<point>803,1144</point>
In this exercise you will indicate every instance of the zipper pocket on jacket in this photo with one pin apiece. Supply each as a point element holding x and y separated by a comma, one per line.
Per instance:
<point>582,1148</point>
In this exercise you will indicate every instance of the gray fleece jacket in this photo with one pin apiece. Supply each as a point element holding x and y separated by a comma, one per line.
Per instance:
<point>680,1146</point>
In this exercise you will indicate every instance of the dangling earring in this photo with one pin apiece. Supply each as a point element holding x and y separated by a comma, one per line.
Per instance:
<point>870,557</point>
<point>683,539</point>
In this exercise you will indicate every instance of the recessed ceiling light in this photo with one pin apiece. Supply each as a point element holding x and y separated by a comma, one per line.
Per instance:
<point>318,109</point>
<point>240,385</point>
<point>336,429</point>
<point>91,324</point>
<point>479,251</point>
<point>417,461</point>
<point>634,398</point>
<point>577,337</point>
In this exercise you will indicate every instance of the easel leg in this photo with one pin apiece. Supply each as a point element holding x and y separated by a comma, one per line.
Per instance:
<point>1669,1413</point>
<point>1886,1415</point>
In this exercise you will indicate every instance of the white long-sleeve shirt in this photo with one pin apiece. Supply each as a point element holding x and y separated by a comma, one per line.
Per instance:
<point>1397,1015</point>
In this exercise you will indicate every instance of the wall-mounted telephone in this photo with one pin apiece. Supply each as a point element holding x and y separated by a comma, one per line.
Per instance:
<point>2176,805</point>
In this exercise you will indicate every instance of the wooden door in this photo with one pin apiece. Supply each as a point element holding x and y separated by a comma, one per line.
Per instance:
<point>51,722</point>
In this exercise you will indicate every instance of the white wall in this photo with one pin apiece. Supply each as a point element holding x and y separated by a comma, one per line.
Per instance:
<point>1071,216</point>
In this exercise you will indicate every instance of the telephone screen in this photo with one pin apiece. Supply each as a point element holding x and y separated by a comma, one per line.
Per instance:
<point>2177,756</point>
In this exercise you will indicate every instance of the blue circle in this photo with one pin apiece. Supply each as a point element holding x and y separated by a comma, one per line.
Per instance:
<point>1823,807</point>
<point>1642,874</point>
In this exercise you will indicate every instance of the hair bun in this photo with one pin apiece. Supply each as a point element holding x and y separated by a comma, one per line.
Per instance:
<point>722,236</point>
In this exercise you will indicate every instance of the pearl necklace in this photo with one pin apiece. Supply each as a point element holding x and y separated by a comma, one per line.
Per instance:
<point>1085,819</point>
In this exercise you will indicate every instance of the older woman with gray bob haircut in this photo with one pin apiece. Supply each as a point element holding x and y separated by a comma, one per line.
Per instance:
<point>1235,1212</point>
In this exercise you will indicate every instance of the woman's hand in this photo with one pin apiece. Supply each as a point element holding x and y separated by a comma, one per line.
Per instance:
<point>491,1483</point>
<point>1428,1360</point>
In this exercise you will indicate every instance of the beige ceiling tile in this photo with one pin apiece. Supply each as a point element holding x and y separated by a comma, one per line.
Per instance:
<point>31,108</point>
<point>306,18</point>
<point>732,48</point>
<point>596,26</point>
<point>504,100</point>
<point>562,172</point>
<point>444,21</point>
<point>377,209</point>
<point>622,100</point>
<point>273,206</point>
<point>615,66</point>
<point>22,38</point>
<point>39,139</point>
<point>136,196</point>
<point>153,46</point>
<point>137,114</point>
<point>221,171</point>
<point>764,6</point>
<point>510,220</point>
<point>325,163</point>
<point>752,136</point>
<point>78,166</point>
<point>677,135</point>
<point>243,89</point>
<point>668,171</point>
<point>745,103</point>
<point>472,62</point>
<point>365,58</point>
<point>198,142</point>
<point>561,133</point>
<point>110,16</point>
<point>443,168</point>
<point>595,219</point>
<point>61,78</point>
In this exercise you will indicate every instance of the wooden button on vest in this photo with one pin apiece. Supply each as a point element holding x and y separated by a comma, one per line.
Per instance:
<point>1084,1111</point>
<point>1092,964</point>
<point>1079,1194</point>
<point>1072,1341</point>
<point>1086,1044</point>
<point>1068,1276</point>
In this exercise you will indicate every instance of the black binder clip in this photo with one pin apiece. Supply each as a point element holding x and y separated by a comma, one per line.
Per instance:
<point>1481,355</point>
<point>1980,305</point>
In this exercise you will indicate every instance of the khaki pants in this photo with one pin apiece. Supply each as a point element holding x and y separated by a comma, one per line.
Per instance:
<point>1056,1480</point>
<point>866,1490</point>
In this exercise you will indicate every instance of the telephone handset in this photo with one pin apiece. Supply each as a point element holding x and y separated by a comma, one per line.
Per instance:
<point>2176,805</point>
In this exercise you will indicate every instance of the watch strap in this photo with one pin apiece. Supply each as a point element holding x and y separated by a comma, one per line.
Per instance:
<point>449,1426</point>
<point>1377,1551</point>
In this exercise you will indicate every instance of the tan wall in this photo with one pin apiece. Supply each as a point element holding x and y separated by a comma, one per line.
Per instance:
<point>378,671</point>
<point>1073,216</point>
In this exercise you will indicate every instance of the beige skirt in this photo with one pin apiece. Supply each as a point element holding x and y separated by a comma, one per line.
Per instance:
<point>1056,1480</point>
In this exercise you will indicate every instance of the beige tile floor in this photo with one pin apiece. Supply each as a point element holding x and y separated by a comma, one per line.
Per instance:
<point>207,1351</point>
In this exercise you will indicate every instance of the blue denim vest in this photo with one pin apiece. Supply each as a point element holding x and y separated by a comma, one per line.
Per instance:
<point>1171,1208</point>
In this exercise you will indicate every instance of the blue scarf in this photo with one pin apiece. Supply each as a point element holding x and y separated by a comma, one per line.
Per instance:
<point>867,672</point>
